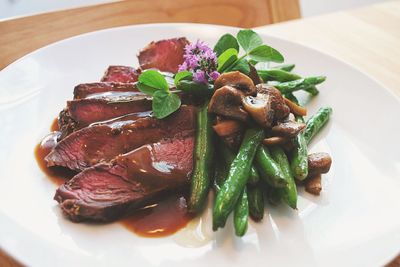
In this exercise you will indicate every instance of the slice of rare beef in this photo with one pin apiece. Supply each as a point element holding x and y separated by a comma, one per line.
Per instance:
<point>165,55</point>
<point>108,191</point>
<point>122,74</point>
<point>97,143</point>
<point>87,89</point>
<point>80,113</point>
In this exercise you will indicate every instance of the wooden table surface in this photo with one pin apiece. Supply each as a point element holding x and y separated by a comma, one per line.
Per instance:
<point>367,38</point>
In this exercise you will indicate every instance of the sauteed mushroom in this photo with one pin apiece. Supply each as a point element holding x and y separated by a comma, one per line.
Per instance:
<point>238,80</point>
<point>288,128</point>
<point>254,75</point>
<point>278,103</point>
<point>259,108</point>
<point>227,101</point>
<point>227,127</point>
<point>319,163</point>
<point>313,185</point>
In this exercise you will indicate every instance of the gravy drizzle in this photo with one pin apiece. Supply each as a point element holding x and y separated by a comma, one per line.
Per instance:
<point>162,218</point>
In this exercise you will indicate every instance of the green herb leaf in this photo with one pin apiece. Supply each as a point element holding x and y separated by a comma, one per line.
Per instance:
<point>265,53</point>
<point>226,59</point>
<point>165,103</point>
<point>154,79</point>
<point>195,88</point>
<point>241,65</point>
<point>183,75</point>
<point>225,42</point>
<point>148,90</point>
<point>249,39</point>
<point>252,62</point>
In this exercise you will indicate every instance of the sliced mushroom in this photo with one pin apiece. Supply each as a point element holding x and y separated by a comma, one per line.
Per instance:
<point>294,108</point>
<point>277,102</point>
<point>313,185</point>
<point>275,140</point>
<point>238,80</point>
<point>318,163</point>
<point>227,101</point>
<point>254,75</point>
<point>230,131</point>
<point>227,127</point>
<point>259,108</point>
<point>288,128</point>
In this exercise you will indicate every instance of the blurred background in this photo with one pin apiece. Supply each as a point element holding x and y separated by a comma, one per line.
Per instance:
<point>17,8</point>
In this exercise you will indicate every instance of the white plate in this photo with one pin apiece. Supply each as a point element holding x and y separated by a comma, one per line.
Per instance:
<point>355,222</point>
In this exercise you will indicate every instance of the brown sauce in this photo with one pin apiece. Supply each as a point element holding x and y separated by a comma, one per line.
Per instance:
<point>165,217</point>
<point>58,175</point>
<point>54,125</point>
<point>160,219</point>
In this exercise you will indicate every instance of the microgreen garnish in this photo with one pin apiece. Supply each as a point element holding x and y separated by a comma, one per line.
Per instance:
<point>225,42</point>
<point>202,66</point>
<point>165,103</point>
<point>153,83</point>
<point>183,75</point>
<point>248,39</point>
<point>227,58</point>
<point>255,51</point>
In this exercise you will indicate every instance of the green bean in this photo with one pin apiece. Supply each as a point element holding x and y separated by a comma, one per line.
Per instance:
<point>241,214</point>
<point>274,195</point>
<point>316,123</point>
<point>296,85</point>
<point>269,170</point>
<point>292,98</point>
<point>195,88</point>
<point>238,174</point>
<point>204,154</point>
<point>289,193</point>
<point>229,156</point>
<point>254,176</point>
<point>286,67</point>
<point>277,75</point>
<point>312,90</point>
<point>256,202</point>
<point>299,161</point>
<point>241,211</point>
<point>220,173</point>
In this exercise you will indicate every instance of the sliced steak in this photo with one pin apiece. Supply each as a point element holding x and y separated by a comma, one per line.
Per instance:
<point>97,143</point>
<point>108,191</point>
<point>122,74</point>
<point>165,55</point>
<point>104,106</point>
<point>86,89</point>
<point>82,112</point>
<point>66,124</point>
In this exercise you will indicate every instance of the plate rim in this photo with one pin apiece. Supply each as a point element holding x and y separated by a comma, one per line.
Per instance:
<point>177,24</point>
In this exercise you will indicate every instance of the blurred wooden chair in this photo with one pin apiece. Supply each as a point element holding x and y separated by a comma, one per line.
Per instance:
<point>32,32</point>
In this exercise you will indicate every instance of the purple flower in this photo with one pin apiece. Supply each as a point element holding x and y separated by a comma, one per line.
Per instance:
<point>201,60</point>
<point>214,75</point>
<point>200,76</point>
<point>183,66</point>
